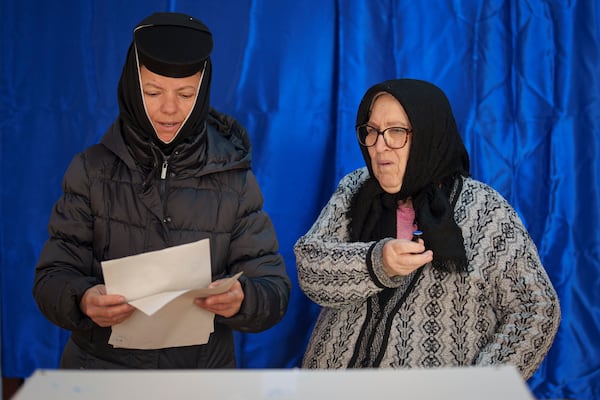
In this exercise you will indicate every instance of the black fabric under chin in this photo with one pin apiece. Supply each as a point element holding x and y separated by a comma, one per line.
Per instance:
<point>372,213</point>
<point>372,218</point>
<point>435,215</point>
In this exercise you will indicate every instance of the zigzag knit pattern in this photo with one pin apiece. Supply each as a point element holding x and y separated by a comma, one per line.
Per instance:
<point>503,311</point>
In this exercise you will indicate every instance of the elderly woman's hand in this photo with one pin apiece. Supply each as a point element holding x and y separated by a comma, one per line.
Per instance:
<point>401,257</point>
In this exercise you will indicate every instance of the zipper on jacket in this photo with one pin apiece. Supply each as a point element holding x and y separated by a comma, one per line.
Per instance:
<point>163,176</point>
<point>163,171</point>
<point>163,189</point>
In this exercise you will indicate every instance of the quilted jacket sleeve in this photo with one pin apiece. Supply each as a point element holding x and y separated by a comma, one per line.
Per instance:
<point>254,250</point>
<point>66,267</point>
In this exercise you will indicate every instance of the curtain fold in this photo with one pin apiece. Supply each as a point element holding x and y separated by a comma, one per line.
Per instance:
<point>523,78</point>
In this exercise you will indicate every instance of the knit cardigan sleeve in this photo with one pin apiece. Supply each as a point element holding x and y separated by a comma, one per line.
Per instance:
<point>506,265</point>
<point>332,271</point>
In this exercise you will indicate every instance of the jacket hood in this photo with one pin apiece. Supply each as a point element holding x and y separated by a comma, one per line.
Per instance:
<point>225,146</point>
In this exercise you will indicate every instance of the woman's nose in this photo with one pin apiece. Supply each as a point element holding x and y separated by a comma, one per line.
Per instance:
<point>380,144</point>
<point>169,105</point>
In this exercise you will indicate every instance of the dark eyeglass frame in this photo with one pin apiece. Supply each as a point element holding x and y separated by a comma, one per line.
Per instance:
<point>361,139</point>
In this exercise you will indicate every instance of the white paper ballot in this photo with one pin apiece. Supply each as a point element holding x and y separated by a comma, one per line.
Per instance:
<point>162,286</point>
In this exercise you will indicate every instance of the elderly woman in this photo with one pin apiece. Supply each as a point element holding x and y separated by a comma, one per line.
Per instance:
<point>471,291</point>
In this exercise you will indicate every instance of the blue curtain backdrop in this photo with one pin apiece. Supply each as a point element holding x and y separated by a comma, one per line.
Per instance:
<point>523,77</point>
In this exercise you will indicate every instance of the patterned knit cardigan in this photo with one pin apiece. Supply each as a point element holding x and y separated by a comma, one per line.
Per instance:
<point>503,311</point>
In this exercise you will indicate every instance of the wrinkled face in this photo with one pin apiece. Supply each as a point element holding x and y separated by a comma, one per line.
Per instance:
<point>168,101</point>
<point>388,164</point>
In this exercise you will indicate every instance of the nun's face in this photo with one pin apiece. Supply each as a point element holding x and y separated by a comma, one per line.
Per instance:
<point>388,164</point>
<point>168,101</point>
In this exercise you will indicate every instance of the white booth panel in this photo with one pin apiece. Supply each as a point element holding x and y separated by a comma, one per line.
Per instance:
<point>489,383</point>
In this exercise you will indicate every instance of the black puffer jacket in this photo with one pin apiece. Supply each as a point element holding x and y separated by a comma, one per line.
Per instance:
<point>114,206</point>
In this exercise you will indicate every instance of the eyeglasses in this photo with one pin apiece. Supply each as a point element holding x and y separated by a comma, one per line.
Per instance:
<point>395,137</point>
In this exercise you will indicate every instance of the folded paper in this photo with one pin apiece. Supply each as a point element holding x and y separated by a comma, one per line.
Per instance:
<point>162,286</point>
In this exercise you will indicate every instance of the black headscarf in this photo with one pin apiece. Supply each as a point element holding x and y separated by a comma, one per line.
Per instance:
<point>437,159</point>
<point>169,44</point>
